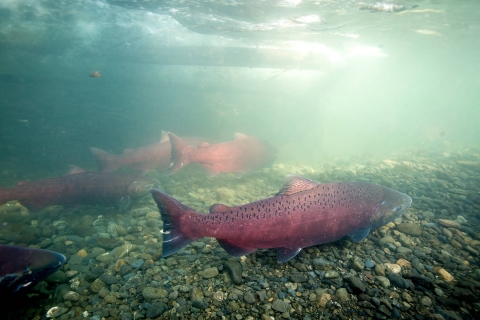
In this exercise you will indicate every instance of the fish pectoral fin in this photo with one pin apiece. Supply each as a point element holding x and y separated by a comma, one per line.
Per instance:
<point>359,235</point>
<point>285,254</point>
<point>234,249</point>
<point>295,184</point>
<point>123,203</point>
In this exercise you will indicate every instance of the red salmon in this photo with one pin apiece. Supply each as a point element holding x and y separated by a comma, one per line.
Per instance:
<point>303,214</point>
<point>149,157</point>
<point>244,154</point>
<point>77,187</point>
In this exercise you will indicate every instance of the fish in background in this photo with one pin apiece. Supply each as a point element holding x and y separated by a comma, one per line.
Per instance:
<point>78,187</point>
<point>156,155</point>
<point>243,154</point>
<point>22,268</point>
<point>303,214</point>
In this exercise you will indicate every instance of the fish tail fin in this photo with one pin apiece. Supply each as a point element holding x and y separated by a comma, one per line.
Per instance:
<point>171,211</point>
<point>107,162</point>
<point>181,154</point>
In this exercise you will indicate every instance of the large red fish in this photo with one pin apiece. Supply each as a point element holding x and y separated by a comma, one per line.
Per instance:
<point>244,154</point>
<point>22,268</point>
<point>157,155</point>
<point>303,214</point>
<point>76,188</point>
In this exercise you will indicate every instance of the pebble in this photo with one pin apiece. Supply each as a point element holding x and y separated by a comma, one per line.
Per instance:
<point>156,309</point>
<point>150,293</point>
<point>383,281</point>
<point>137,264</point>
<point>331,274</point>
<point>342,295</point>
<point>369,263</point>
<point>210,273</point>
<point>426,301</point>
<point>323,299</point>
<point>71,296</point>
<point>356,284</point>
<point>445,275</point>
<point>410,229</point>
<point>392,267</point>
<point>280,306</point>
<point>397,281</point>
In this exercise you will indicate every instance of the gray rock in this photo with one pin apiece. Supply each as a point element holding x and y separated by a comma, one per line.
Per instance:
<point>384,282</point>
<point>356,285</point>
<point>331,274</point>
<point>234,269</point>
<point>75,259</point>
<point>210,273</point>
<point>410,228</point>
<point>57,277</point>
<point>405,240</point>
<point>150,293</point>
<point>109,278</point>
<point>298,278</point>
<point>397,281</point>
<point>280,306</point>
<point>358,264</point>
<point>71,296</point>
<point>196,293</point>
<point>385,240</point>
<point>200,303</point>
<point>426,301</point>
<point>342,295</point>
<point>380,269</point>
<point>156,309</point>
<point>249,297</point>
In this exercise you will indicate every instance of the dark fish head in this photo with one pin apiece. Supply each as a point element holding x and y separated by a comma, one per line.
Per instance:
<point>393,205</point>
<point>22,268</point>
<point>141,186</point>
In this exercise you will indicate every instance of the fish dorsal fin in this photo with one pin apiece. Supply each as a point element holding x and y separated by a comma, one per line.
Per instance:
<point>75,170</point>
<point>240,136</point>
<point>127,150</point>
<point>218,207</point>
<point>164,137</point>
<point>203,144</point>
<point>285,254</point>
<point>295,184</point>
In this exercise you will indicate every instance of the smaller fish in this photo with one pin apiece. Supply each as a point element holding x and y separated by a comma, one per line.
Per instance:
<point>243,154</point>
<point>22,268</point>
<point>78,187</point>
<point>143,159</point>
<point>95,74</point>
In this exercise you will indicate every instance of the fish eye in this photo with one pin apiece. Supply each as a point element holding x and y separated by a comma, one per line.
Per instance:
<point>398,208</point>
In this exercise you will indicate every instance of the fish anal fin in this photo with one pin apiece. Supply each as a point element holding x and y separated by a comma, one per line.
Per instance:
<point>285,254</point>
<point>234,249</point>
<point>295,184</point>
<point>240,136</point>
<point>218,207</point>
<point>359,235</point>
<point>75,170</point>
